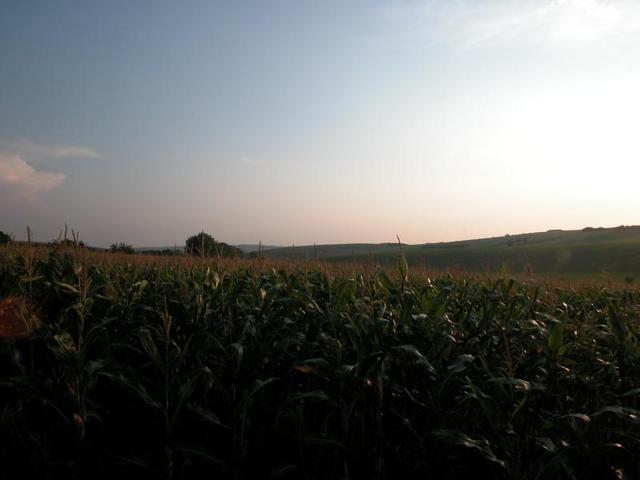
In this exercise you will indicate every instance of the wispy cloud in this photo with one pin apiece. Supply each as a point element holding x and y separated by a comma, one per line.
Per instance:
<point>478,23</point>
<point>17,174</point>
<point>21,178</point>
<point>39,152</point>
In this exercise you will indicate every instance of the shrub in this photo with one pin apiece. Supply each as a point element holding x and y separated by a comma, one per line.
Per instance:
<point>205,245</point>
<point>122,248</point>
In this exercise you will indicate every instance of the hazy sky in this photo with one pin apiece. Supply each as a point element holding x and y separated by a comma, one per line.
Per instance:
<point>326,122</point>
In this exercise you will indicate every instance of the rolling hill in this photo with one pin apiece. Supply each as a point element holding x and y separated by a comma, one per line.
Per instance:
<point>254,247</point>
<point>590,250</point>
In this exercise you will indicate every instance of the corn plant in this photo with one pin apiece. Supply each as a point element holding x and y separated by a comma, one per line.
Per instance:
<point>247,370</point>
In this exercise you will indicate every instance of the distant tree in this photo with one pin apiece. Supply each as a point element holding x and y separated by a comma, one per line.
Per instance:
<point>4,238</point>
<point>201,244</point>
<point>205,245</point>
<point>122,248</point>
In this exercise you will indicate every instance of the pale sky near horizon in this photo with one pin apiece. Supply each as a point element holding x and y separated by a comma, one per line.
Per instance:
<point>317,122</point>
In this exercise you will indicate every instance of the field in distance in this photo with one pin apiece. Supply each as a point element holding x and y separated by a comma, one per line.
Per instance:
<point>586,251</point>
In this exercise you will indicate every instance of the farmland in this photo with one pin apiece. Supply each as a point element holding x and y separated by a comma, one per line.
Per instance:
<point>192,368</point>
<point>569,252</point>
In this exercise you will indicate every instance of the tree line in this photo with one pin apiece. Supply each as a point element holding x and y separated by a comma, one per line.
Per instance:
<point>201,244</point>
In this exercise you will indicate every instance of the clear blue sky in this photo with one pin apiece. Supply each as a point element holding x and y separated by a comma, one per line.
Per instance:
<point>305,121</point>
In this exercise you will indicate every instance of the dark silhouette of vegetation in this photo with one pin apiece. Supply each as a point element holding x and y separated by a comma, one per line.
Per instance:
<point>63,240</point>
<point>68,243</point>
<point>205,245</point>
<point>122,248</point>
<point>165,252</point>
<point>241,374</point>
<point>4,238</point>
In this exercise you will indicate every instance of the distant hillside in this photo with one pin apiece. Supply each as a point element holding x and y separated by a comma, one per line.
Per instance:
<point>590,250</point>
<point>248,248</point>
<point>332,252</point>
<point>179,248</point>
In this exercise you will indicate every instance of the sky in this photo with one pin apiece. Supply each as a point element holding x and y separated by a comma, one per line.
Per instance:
<point>301,122</point>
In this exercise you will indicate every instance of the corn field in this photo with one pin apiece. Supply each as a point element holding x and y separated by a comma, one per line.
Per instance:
<point>205,371</point>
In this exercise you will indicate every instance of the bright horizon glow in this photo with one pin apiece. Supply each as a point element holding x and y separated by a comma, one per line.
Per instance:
<point>301,124</point>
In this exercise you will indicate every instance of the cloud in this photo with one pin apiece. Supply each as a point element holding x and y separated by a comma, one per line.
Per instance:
<point>17,174</point>
<point>480,23</point>
<point>37,152</point>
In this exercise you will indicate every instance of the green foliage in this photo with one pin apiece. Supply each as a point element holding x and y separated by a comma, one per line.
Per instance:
<point>164,372</point>
<point>205,245</point>
<point>122,248</point>
<point>4,238</point>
